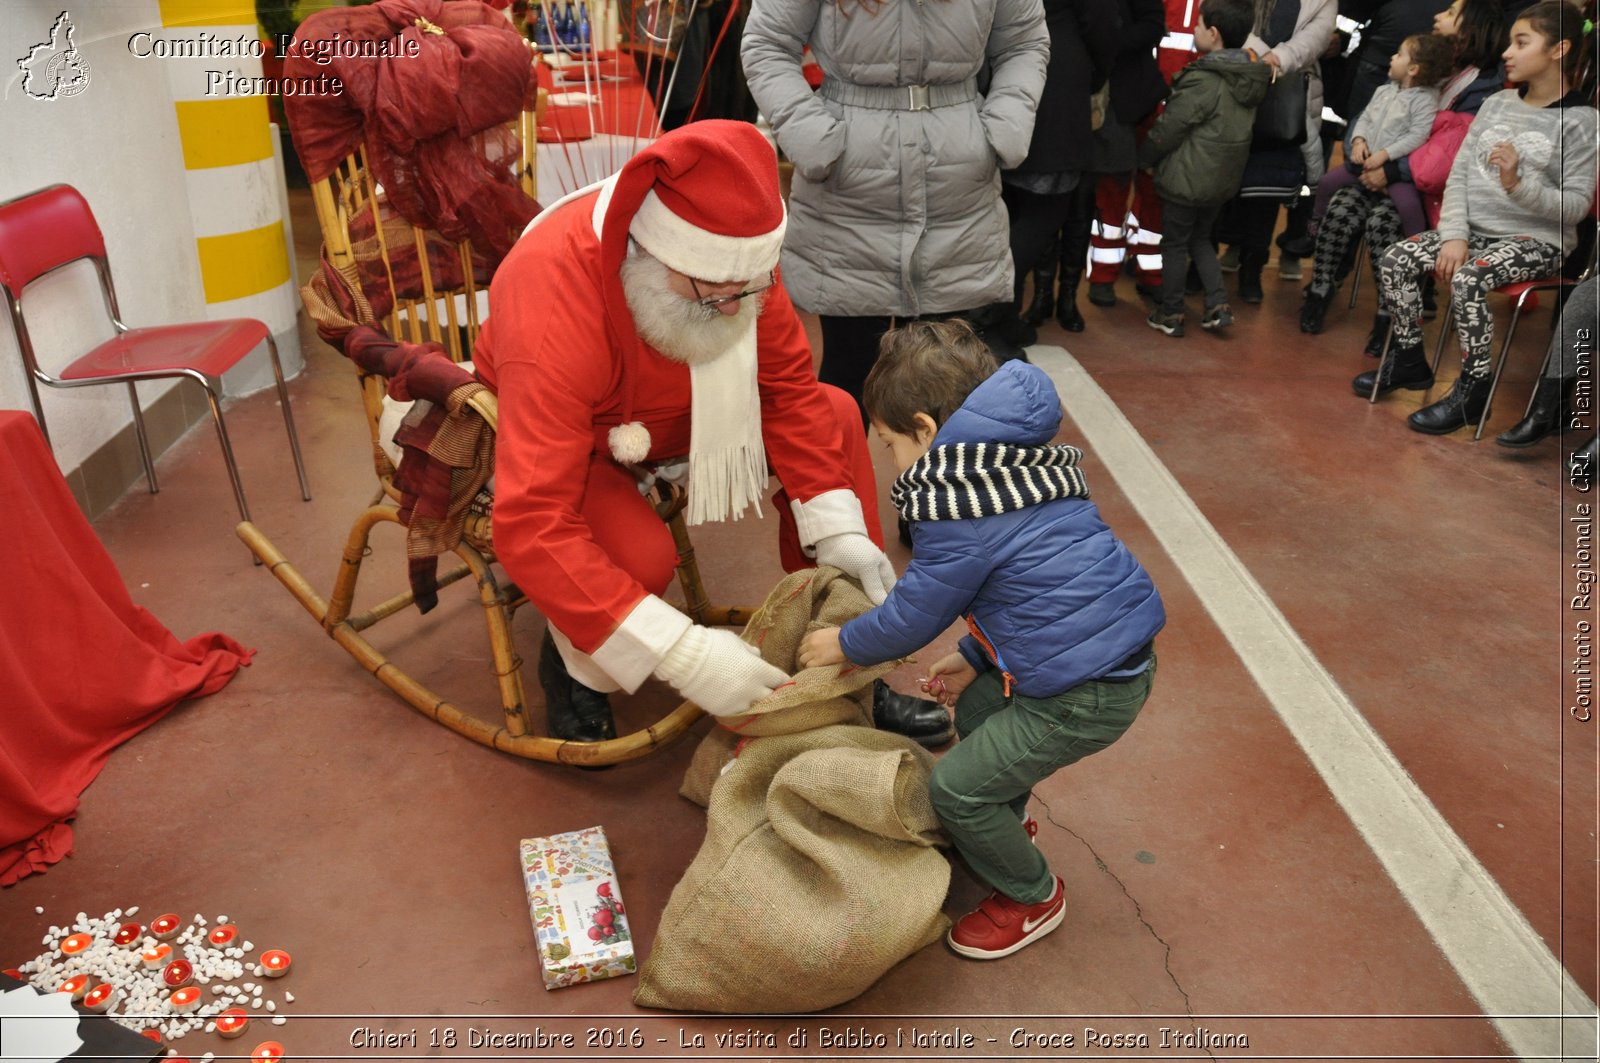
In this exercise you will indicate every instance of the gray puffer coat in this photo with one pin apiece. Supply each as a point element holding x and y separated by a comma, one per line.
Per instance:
<point>894,210</point>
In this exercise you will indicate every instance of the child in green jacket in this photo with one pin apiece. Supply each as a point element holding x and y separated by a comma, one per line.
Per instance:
<point>1198,148</point>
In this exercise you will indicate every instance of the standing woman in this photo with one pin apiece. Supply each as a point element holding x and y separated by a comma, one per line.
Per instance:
<point>1291,36</point>
<point>895,208</point>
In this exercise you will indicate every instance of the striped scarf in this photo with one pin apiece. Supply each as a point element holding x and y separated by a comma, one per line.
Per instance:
<point>959,481</point>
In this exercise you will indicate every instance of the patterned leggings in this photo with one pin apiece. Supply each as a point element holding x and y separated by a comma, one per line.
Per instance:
<point>1353,212</point>
<point>1490,264</point>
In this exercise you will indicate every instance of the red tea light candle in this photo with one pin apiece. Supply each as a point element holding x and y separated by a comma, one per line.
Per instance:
<point>157,957</point>
<point>275,963</point>
<point>14,972</point>
<point>76,944</point>
<point>177,974</point>
<point>165,926</point>
<point>223,936</point>
<point>232,1023</point>
<point>127,934</point>
<point>101,997</point>
<point>152,1033</point>
<point>187,998</point>
<point>267,1052</point>
<point>77,985</point>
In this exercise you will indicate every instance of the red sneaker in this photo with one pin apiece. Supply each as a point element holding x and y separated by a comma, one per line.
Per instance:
<point>1001,926</point>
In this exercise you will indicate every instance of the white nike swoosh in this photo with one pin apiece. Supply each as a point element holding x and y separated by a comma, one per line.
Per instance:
<point>1030,925</point>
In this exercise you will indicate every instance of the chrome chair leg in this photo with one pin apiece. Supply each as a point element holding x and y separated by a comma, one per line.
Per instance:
<point>144,440</point>
<point>212,389</point>
<point>1355,272</point>
<point>288,419</point>
<point>1377,378</point>
<point>1446,323</point>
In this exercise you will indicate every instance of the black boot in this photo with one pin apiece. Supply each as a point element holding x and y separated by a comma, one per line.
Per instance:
<point>1463,406</point>
<point>1314,310</point>
<point>1103,294</point>
<point>1378,336</point>
<point>925,722</point>
<point>1406,367</point>
<point>1067,304</point>
<point>572,711</point>
<point>998,326</point>
<point>1044,287</point>
<point>1544,416</point>
<point>1250,282</point>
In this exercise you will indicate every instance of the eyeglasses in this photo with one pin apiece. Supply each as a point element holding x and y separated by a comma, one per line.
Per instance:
<point>713,301</point>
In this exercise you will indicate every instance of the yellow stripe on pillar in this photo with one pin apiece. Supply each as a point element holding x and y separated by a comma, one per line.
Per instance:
<point>235,265</point>
<point>208,13</point>
<point>224,132</point>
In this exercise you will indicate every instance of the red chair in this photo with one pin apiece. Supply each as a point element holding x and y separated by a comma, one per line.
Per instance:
<point>45,230</point>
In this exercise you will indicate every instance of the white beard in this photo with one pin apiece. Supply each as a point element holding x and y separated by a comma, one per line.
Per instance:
<point>680,328</point>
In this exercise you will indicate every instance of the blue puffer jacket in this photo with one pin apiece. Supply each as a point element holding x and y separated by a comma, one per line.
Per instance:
<point>1056,594</point>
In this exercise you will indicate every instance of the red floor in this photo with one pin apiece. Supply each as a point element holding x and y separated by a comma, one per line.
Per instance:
<point>1213,879</point>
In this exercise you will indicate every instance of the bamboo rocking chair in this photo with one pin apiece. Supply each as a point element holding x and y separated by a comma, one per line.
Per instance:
<point>451,315</point>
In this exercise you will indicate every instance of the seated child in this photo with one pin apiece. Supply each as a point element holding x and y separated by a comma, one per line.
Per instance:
<point>1394,123</point>
<point>1060,658</point>
<point>1198,148</point>
<point>1522,180</point>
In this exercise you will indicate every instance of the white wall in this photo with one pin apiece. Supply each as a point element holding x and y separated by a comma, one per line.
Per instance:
<point>117,142</point>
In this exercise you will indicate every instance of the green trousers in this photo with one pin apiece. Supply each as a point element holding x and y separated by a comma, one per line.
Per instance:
<point>1008,746</point>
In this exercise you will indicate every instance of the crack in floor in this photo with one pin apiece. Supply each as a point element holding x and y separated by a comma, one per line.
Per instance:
<point>1138,911</point>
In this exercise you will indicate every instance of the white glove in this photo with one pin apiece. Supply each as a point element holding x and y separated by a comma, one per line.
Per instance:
<point>718,671</point>
<point>854,554</point>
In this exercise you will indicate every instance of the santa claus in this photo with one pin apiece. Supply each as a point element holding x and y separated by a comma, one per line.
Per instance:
<point>640,325</point>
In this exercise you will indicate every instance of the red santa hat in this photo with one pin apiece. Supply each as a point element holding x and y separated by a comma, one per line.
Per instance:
<point>704,200</point>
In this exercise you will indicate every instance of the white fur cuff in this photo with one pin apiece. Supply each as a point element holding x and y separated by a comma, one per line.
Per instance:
<point>830,513</point>
<point>634,650</point>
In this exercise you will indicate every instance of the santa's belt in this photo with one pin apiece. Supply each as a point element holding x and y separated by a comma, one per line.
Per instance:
<point>900,97</point>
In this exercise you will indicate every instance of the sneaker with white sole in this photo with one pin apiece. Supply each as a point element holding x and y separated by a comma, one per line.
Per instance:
<point>1000,926</point>
<point>1219,316</point>
<point>1289,268</point>
<point>1171,324</point>
<point>1228,262</point>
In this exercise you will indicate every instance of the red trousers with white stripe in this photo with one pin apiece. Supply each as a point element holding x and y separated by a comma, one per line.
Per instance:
<point>1120,228</point>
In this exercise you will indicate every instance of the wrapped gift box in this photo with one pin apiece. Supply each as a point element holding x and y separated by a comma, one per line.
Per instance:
<point>578,919</point>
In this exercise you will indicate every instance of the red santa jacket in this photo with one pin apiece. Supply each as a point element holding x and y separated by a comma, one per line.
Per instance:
<point>546,352</point>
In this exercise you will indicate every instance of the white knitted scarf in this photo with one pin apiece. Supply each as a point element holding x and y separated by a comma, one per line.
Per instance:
<point>727,460</point>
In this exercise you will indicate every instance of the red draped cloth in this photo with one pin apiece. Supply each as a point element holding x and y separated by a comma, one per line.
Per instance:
<point>82,668</point>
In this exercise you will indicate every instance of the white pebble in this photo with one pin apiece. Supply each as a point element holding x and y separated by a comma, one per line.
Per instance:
<point>288,998</point>
<point>132,911</point>
<point>221,919</point>
<point>256,1003</point>
<point>219,989</point>
<point>258,970</point>
<point>208,1057</point>
<point>171,1052</point>
<point>211,1027</point>
<point>257,990</point>
<point>38,909</point>
<point>279,1020</point>
<point>249,946</point>
<point>272,1005</point>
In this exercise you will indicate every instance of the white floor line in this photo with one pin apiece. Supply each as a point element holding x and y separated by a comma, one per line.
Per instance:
<point>1506,966</point>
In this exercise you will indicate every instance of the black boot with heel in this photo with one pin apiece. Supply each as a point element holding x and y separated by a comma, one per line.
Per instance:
<point>1038,311</point>
<point>1544,416</point>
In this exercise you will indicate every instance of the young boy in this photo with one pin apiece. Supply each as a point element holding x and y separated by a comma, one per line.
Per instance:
<point>1198,148</point>
<point>1060,657</point>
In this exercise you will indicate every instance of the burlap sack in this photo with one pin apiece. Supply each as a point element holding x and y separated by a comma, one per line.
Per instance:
<point>818,872</point>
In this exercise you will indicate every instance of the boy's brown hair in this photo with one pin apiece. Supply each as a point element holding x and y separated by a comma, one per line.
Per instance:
<point>925,367</point>
<point>1435,57</point>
